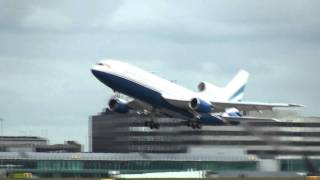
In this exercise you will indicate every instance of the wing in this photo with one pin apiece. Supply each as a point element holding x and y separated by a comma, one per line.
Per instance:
<point>181,101</point>
<point>220,106</point>
<point>139,106</point>
<point>251,106</point>
<point>244,118</point>
<point>134,104</point>
<point>143,108</point>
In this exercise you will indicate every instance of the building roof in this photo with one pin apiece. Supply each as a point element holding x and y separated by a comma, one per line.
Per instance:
<point>22,138</point>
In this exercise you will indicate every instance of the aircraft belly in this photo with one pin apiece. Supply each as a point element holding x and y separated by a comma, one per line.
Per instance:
<point>135,90</point>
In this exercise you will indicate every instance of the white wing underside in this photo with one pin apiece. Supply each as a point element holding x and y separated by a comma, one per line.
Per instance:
<point>180,102</point>
<point>219,106</point>
<point>251,106</point>
<point>139,105</point>
<point>222,105</point>
<point>145,109</point>
<point>245,119</point>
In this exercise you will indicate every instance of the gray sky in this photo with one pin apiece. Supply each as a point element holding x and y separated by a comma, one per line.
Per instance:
<point>47,49</point>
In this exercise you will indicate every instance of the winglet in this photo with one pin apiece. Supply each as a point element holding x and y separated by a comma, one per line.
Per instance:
<point>296,105</point>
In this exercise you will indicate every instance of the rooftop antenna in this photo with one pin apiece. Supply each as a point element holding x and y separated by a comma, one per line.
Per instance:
<point>1,121</point>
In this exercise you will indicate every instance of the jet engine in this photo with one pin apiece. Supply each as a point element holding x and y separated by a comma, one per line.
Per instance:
<point>200,105</point>
<point>118,105</point>
<point>205,86</point>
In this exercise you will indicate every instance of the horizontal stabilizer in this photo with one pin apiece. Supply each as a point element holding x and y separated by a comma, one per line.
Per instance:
<point>251,106</point>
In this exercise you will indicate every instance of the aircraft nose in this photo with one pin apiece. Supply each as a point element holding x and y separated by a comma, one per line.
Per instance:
<point>95,71</point>
<point>97,74</point>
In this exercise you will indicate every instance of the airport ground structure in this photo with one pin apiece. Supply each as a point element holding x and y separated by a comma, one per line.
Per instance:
<point>35,144</point>
<point>121,144</point>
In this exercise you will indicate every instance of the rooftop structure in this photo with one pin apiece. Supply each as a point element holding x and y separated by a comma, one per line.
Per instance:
<point>35,144</point>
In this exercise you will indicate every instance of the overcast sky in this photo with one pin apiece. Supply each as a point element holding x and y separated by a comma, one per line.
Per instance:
<point>48,47</point>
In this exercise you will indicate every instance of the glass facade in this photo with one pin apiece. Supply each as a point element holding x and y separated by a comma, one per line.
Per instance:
<point>93,168</point>
<point>59,165</point>
<point>122,133</point>
<point>297,165</point>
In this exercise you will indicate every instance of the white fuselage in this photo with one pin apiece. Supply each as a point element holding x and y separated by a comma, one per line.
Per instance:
<point>144,78</point>
<point>160,94</point>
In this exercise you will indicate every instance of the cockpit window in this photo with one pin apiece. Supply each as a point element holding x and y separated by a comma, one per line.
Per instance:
<point>101,64</point>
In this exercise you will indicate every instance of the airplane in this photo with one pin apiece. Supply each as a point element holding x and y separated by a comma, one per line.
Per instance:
<point>155,96</point>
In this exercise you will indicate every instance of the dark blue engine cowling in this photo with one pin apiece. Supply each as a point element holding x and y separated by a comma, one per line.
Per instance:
<point>200,106</point>
<point>118,105</point>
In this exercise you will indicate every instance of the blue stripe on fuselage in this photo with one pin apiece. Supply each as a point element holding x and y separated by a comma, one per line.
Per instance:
<point>137,91</point>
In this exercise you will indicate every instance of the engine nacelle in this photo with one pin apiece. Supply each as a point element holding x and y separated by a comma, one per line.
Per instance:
<point>118,105</point>
<point>205,86</point>
<point>200,105</point>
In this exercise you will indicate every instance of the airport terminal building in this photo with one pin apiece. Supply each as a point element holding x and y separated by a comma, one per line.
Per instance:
<point>294,135</point>
<point>121,143</point>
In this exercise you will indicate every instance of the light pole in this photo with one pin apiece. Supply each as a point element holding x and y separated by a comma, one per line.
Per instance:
<point>1,121</point>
